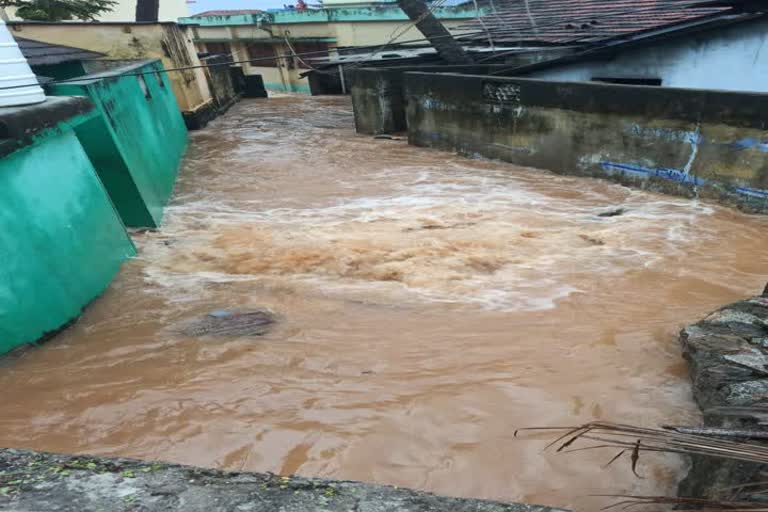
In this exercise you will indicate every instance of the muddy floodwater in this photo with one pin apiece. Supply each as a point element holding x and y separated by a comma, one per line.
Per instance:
<point>428,305</point>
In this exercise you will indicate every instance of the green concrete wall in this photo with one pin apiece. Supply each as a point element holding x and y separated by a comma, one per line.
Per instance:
<point>137,141</point>
<point>688,142</point>
<point>61,241</point>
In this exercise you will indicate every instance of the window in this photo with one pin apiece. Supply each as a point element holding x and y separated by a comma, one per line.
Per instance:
<point>219,49</point>
<point>627,81</point>
<point>143,86</point>
<point>159,77</point>
<point>262,54</point>
<point>315,51</point>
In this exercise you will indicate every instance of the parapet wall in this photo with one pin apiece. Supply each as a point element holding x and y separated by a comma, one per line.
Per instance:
<point>378,93</point>
<point>680,141</point>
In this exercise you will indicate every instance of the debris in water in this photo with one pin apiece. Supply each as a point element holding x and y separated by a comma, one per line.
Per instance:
<point>592,240</point>
<point>612,213</point>
<point>383,136</point>
<point>224,322</point>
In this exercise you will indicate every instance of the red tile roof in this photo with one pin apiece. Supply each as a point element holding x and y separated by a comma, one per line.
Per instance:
<point>582,21</point>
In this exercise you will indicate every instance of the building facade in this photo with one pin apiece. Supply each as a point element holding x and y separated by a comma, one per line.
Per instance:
<point>282,45</point>
<point>726,55</point>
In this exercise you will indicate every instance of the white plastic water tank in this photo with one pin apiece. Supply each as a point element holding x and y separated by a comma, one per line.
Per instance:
<point>18,85</point>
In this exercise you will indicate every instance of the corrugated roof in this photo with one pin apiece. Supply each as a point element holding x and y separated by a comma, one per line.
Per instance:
<point>565,22</point>
<point>230,12</point>
<point>39,53</point>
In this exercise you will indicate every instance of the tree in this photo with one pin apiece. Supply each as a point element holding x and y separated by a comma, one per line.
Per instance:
<point>59,10</point>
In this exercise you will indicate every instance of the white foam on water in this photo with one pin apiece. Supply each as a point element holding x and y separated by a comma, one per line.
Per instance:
<point>477,237</point>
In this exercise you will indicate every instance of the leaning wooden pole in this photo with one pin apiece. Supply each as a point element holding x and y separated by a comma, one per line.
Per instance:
<point>437,35</point>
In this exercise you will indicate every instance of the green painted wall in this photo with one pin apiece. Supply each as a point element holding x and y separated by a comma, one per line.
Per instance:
<point>138,139</point>
<point>375,13</point>
<point>61,241</point>
<point>280,87</point>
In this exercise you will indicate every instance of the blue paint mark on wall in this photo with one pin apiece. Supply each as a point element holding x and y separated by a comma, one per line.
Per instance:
<point>677,176</point>
<point>690,137</point>
<point>763,194</point>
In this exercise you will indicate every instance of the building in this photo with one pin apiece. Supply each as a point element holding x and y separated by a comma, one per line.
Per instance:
<point>675,43</point>
<point>723,52</point>
<point>125,10</point>
<point>282,45</point>
<point>169,42</point>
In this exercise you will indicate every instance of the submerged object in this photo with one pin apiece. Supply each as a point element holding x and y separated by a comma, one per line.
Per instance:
<point>224,322</point>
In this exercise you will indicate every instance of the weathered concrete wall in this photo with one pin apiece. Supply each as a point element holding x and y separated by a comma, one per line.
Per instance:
<point>221,84</point>
<point>677,141</point>
<point>728,356</point>
<point>727,58</point>
<point>137,141</point>
<point>378,95</point>
<point>61,241</point>
<point>170,43</point>
<point>40,482</point>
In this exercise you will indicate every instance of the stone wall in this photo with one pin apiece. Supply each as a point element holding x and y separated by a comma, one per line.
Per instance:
<point>728,356</point>
<point>679,141</point>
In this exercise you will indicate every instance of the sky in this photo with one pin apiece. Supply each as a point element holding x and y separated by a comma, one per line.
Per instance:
<point>210,5</point>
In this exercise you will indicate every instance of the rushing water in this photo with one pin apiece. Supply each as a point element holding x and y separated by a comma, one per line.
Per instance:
<point>430,305</point>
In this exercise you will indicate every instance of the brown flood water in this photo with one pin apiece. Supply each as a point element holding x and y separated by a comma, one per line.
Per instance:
<point>431,304</point>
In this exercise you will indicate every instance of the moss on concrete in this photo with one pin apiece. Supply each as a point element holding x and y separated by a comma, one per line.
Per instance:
<point>41,482</point>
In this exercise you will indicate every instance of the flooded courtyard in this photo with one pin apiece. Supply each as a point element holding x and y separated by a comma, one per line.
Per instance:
<point>428,305</point>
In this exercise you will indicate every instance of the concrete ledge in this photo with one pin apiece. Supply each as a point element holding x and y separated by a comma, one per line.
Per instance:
<point>41,482</point>
<point>728,356</point>
<point>20,125</point>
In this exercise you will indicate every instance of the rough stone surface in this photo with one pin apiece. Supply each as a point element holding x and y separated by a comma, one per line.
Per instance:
<point>223,322</point>
<point>39,482</point>
<point>728,357</point>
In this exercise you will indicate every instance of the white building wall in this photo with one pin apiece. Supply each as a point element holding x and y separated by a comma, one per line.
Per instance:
<point>732,58</point>
<point>125,10</point>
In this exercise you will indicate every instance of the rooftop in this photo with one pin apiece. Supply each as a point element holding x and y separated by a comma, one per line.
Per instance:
<point>558,22</point>
<point>39,53</point>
